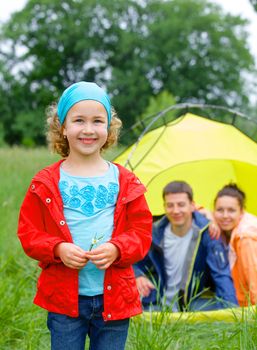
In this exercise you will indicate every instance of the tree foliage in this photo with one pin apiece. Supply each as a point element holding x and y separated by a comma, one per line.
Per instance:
<point>135,49</point>
<point>158,103</point>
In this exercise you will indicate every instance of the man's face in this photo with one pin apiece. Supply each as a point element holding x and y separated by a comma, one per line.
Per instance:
<point>178,209</point>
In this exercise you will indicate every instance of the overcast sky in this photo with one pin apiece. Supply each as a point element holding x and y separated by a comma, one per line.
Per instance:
<point>242,7</point>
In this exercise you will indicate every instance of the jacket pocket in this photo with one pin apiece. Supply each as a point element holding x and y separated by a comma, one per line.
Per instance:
<point>47,281</point>
<point>128,286</point>
<point>220,256</point>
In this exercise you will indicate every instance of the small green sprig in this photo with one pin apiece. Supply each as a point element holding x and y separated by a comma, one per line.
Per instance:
<point>94,241</point>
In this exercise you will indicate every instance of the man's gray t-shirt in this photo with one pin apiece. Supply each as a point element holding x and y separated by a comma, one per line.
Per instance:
<point>175,249</point>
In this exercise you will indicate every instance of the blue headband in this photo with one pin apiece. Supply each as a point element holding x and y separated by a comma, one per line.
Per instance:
<point>82,91</point>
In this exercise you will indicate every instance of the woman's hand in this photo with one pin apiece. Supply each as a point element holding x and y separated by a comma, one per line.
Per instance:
<point>71,255</point>
<point>207,213</point>
<point>214,230</point>
<point>104,255</point>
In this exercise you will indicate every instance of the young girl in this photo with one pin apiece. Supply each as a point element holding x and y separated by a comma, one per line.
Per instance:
<point>86,221</point>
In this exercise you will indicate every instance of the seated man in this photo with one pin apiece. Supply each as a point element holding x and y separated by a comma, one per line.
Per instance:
<point>184,262</point>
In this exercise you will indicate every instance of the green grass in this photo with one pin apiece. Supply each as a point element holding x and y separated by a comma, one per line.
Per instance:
<point>23,325</point>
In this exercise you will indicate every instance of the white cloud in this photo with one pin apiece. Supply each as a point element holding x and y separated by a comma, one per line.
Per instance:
<point>245,10</point>
<point>7,7</point>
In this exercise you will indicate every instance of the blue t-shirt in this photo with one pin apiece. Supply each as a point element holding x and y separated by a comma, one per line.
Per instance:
<point>89,204</point>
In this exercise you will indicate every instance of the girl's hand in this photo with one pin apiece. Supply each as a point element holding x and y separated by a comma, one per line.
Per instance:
<point>104,255</point>
<point>71,255</point>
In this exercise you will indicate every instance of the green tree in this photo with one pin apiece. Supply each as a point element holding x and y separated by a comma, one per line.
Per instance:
<point>203,52</point>
<point>135,49</point>
<point>159,103</point>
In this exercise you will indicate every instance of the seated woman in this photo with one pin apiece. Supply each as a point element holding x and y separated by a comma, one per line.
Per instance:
<point>239,233</point>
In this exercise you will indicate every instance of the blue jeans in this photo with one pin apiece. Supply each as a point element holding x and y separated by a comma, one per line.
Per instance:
<point>69,333</point>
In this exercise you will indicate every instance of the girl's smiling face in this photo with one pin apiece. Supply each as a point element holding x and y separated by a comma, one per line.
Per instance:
<point>86,128</point>
<point>227,212</point>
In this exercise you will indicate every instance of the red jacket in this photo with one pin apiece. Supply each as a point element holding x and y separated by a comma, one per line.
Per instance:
<point>42,226</point>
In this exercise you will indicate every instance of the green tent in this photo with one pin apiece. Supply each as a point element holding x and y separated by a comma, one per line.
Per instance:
<point>205,153</point>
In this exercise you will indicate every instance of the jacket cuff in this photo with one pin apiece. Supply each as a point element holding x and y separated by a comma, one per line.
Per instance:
<point>54,245</point>
<point>116,262</point>
<point>138,272</point>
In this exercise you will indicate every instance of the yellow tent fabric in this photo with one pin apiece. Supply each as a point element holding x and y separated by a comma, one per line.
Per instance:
<point>240,314</point>
<point>205,153</point>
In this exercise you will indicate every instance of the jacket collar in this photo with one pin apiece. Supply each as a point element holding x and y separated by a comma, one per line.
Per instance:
<point>199,223</point>
<point>130,188</point>
<point>50,174</point>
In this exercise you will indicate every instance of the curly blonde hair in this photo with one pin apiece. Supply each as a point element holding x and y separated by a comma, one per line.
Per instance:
<point>59,144</point>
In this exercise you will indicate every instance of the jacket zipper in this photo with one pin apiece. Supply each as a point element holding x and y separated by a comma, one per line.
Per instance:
<point>192,263</point>
<point>68,237</point>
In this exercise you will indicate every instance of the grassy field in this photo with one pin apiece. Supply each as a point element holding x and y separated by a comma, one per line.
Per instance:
<point>23,325</point>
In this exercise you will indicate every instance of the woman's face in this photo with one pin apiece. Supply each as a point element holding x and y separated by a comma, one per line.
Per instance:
<point>227,213</point>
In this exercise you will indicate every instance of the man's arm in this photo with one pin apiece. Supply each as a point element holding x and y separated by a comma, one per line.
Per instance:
<point>144,286</point>
<point>214,229</point>
<point>141,269</point>
<point>217,261</point>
